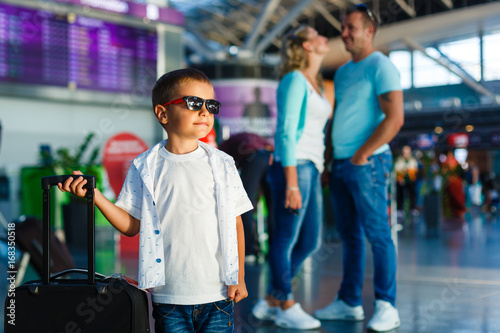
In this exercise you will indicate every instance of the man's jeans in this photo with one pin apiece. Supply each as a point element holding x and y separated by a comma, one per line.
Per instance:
<point>295,235</point>
<point>359,201</point>
<point>210,317</point>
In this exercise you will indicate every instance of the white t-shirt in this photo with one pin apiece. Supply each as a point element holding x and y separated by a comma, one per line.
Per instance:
<point>186,205</point>
<point>311,145</point>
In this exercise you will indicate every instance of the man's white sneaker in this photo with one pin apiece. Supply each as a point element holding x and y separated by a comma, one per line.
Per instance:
<point>385,318</point>
<point>263,311</point>
<point>340,310</point>
<point>296,318</point>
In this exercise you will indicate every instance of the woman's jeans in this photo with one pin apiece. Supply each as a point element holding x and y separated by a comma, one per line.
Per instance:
<point>359,201</point>
<point>210,317</point>
<point>296,235</point>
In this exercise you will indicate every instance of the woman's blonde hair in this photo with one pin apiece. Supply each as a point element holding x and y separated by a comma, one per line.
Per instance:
<point>293,55</point>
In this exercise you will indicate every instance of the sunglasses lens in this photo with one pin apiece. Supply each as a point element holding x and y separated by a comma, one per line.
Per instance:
<point>212,105</point>
<point>194,103</point>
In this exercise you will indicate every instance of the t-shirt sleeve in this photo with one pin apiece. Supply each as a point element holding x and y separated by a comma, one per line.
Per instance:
<point>243,203</point>
<point>130,198</point>
<point>387,77</point>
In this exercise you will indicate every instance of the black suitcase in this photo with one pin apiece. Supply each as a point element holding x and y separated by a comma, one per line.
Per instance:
<point>87,305</point>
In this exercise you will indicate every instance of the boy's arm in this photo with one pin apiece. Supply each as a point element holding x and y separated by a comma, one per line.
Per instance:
<point>239,291</point>
<point>119,218</point>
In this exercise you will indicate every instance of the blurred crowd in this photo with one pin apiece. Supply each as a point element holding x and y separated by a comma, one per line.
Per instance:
<point>443,186</point>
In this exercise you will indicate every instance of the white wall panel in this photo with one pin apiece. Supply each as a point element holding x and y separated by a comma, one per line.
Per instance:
<point>27,124</point>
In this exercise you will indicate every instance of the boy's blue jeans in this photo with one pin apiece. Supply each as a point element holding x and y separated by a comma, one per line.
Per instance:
<point>295,236</point>
<point>359,201</point>
<point>212,317</point>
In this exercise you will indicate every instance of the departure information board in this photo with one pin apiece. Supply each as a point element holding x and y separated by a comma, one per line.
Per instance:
<point>39,47</point>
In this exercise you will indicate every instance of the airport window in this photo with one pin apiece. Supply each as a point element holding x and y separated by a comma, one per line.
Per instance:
<point>428,73</point>
<point>402,61</point>
<point>466,54</point>
<point>491,60</point>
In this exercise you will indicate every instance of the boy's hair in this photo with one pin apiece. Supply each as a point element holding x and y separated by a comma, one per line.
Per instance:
<point>166,86</point>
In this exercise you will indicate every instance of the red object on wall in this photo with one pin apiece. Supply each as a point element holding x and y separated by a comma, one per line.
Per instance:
<point>119,151</point>
<point>458,140</point>
<point>210,138</point>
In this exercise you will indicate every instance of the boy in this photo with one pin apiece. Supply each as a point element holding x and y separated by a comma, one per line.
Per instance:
<point>185,199</point>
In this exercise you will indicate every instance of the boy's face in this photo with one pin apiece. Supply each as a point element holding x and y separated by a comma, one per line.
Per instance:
<point>183,124</point>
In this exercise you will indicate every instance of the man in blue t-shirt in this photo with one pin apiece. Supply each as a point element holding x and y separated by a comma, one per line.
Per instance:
<point>368,114</point>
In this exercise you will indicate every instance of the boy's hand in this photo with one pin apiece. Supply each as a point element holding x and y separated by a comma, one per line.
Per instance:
<point>237,292</point>
<point>74,185</point>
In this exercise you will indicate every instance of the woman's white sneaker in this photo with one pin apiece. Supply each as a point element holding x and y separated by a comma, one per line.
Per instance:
<point>263,311</point>
<point>296,318</point>
<point>385,318</point>
<point>340,310</point>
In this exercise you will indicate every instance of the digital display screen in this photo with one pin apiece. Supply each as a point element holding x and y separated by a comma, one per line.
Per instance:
<point>39,47</point>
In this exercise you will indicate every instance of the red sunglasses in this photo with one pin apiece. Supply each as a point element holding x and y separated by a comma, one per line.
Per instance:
<point>194,103</point>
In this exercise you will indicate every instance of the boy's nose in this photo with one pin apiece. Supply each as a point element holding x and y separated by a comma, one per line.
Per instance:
<point>204,111</point>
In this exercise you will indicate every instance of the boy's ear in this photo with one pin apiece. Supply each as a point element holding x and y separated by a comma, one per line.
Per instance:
<point>161,114</point>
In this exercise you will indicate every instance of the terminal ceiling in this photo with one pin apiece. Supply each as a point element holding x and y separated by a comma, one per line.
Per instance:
<point>251,29</point>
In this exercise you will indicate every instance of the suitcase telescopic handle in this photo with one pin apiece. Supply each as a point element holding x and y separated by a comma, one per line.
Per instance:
<point>47,183</point>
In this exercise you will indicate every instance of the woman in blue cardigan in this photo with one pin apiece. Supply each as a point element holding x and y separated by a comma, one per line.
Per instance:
<point>303,111</point>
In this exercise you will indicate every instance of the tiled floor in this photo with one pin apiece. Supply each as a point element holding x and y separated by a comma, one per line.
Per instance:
<point>448,283</point>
